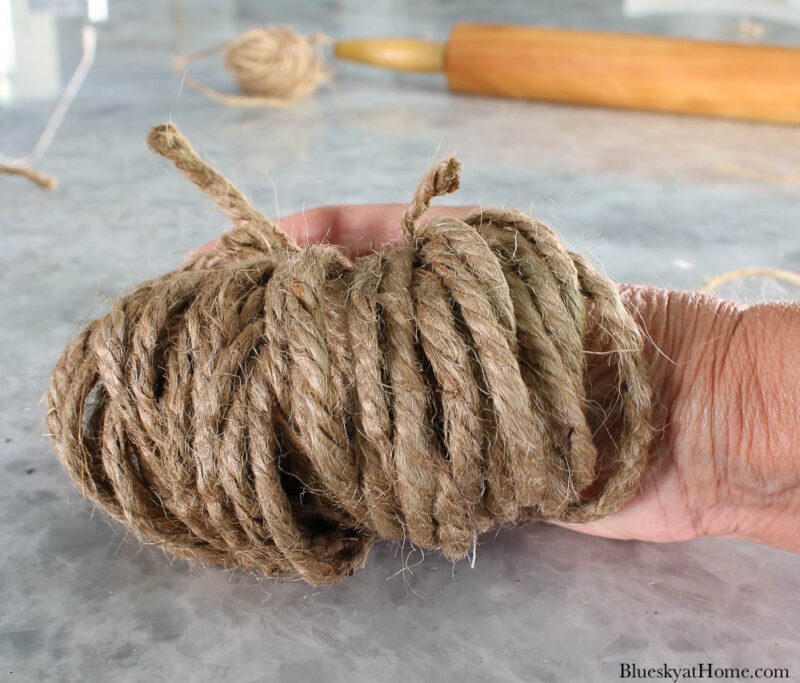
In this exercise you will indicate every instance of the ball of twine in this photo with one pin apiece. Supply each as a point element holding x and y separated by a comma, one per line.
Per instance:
<point>277,61</point>
<point>280,409</point>
<point>275,65</point>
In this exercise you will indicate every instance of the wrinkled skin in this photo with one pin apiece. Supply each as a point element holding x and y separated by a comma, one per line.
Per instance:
<point>726,460</point>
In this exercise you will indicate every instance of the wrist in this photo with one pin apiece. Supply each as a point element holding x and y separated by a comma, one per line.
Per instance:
<point>756,404</point>
<point>698,367</point>
<point>685,336</point>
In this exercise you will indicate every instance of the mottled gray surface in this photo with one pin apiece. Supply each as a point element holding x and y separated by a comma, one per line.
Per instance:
<point>651,196</point>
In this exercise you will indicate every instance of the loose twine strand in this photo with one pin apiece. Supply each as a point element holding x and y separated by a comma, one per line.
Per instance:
<point>741,273</point>
<point>275,66</point>
<point>280,409</point>
<point>22,166</point>
<point>42,179</point>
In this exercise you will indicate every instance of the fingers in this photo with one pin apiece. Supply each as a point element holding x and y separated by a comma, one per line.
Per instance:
<point>596,528</point>
<point>358,228</point>
<point>312,225</point>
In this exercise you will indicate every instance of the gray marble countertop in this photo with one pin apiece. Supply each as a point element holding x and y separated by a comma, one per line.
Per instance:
<point>667,200</point>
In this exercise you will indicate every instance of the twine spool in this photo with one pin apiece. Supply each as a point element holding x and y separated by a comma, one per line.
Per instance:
<point>274,65</point>
<point>280,409</point>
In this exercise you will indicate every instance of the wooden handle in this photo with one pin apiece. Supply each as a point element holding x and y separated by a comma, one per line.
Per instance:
<point>621,70</point>
<point>407,54</point>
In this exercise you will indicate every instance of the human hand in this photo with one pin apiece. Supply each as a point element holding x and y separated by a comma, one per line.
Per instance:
<point>724,461</point>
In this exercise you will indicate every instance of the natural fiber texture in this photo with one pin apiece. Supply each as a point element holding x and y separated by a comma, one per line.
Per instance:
<point>274,65</point>
<point>280,408</point>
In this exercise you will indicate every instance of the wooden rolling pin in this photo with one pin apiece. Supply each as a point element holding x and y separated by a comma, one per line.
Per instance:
<point>759,82</point>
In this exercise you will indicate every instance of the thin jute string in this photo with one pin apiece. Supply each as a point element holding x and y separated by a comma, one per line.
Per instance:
<point>741,273</point>
<point>752,271</point>
<point>275,66</point>
<point>280,409</point>
<point>42,179</point>
<point>23,166</point>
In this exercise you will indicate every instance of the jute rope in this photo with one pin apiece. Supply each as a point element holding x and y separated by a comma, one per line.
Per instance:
<point>280,408</point>
<point>275,66</point>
